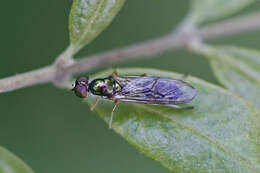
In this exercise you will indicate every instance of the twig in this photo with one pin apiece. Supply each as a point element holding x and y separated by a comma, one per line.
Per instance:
<point>140,50</point>
<point>231,27</point>
<point>42,75</point>
<point>145,49</point>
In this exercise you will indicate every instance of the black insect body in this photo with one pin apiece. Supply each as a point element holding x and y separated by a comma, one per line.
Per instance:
<point>138,89</point>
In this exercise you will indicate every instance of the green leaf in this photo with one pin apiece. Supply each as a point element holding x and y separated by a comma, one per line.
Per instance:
<point>238,69</point>
<point>88,18</point>
<point>206,10</point>
<point>9,163</point>
<point>221,133</point>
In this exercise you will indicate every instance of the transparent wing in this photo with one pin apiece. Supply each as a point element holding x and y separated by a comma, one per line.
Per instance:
<point>154,90</point>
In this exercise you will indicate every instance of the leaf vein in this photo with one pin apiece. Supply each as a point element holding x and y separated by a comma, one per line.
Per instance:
<point>207,138</point>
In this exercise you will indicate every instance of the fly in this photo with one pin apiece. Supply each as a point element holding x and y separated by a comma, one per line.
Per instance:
<point>137,89</point>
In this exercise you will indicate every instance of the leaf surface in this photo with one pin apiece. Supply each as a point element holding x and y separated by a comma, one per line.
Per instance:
<point>221,133</point>
<point>9,163</point>
<point>90,17</point>
<point>238,69</point>
<point>206,10</point>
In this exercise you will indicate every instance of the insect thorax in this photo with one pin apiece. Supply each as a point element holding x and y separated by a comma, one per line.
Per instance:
<point>104,87</point>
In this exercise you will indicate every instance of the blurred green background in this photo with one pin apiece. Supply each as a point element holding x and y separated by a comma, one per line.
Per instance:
<point>50,128</point>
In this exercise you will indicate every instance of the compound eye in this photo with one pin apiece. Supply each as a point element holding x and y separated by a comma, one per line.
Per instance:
<point>81,87</point>
<point>81,90</point>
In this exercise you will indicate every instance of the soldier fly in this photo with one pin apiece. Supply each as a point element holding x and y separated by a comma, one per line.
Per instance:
<point>138,89</point>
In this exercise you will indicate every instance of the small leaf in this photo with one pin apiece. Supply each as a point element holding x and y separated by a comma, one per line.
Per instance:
<point>9,163</point>
<point>89,17</point>
<point>239,70</point>
<point>206,10</point>
<point>221,133</point>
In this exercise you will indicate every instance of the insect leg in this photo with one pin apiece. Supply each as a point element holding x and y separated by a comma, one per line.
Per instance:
<point>95,104</point>
<point>112,114</point>
<point>179,107</point>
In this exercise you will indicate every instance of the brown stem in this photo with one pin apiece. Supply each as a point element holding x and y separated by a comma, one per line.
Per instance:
<point>145,49</point>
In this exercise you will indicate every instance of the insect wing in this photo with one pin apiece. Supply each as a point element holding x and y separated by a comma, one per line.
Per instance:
<point>154,90</point>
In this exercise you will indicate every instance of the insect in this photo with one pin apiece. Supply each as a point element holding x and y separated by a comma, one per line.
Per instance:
<point>138,89</point>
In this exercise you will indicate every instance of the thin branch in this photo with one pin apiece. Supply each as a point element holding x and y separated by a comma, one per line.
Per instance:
<point>149,49</point>
<point>231,26</point>
<point>145,49</point>
<point>43,75</point>
<point>140,50</point>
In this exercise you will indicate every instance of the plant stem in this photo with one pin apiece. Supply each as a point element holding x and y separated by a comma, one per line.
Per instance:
<point>231,27</point>
<point>146,49</point>
<point>34,77</point>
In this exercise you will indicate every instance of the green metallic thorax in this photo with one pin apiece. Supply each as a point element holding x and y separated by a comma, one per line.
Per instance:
<point>104,87</point>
